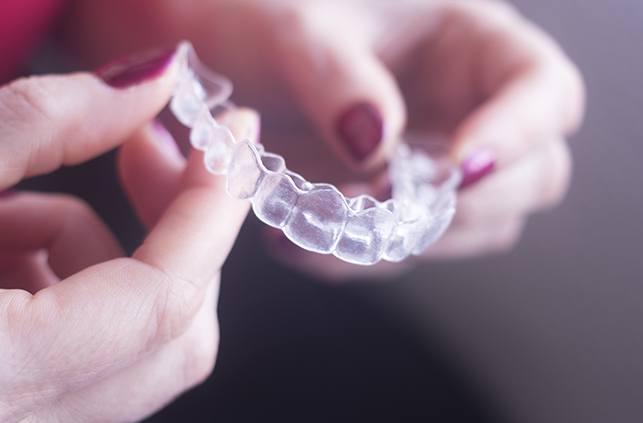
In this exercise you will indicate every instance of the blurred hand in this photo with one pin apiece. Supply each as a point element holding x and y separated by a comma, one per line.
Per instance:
<point>500,91</point>
<point>88,334</point>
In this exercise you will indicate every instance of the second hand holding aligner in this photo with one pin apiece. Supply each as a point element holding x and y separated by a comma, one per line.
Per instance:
<point>316,217</point>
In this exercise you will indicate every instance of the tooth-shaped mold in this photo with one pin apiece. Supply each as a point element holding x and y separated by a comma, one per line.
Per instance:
<point>202,133</point>
<point>218,156</point>
<point>275,199</point>
<point>403,240</point>
<point>365,236</point>
<point>212,88</point>
<point>273,162</point>
<point>317,217</point>
<point>317,220</point>
<point>244,174</point>
<point>362,202</point>
<point>299,181</point>
<point>442,216</point>
<point>187,103</point>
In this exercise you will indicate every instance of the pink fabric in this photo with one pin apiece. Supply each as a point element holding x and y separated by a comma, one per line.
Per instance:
<point>23,23</point>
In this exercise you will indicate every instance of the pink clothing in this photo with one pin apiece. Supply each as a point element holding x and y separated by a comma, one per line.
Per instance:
<point>23,23</point>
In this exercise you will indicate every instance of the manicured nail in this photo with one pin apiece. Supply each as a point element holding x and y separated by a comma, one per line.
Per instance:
<point>7,194</point>
<point>136,69</point>
<point>164,137</point>
<point>476,166</point>
<point>360,129</point>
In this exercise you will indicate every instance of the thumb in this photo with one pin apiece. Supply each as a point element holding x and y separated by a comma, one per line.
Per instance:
<point>343,87</point>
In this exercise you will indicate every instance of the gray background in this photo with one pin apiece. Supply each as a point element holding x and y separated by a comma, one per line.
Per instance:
<point>552,331</point>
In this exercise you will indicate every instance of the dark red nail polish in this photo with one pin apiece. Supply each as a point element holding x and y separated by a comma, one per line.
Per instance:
<point>7,194</point>
<point>476,166</point>
<point>360,129</point>
<point>136,69</point>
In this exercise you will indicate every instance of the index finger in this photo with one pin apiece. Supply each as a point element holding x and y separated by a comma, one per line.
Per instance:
<point>111,314</point>
<point>54,120</point>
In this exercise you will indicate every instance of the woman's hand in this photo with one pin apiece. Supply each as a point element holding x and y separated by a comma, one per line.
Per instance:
<point>356,74</point>
<point>87,333</point>
<point>498,89</point>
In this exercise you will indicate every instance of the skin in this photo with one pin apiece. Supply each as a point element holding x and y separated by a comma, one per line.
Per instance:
<point>476,73</point>
<point>89,334</point>
<point>142,329</point>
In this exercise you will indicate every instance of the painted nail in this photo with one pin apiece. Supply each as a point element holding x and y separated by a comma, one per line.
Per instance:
<point>164,137</point>
<point>360,129</point>
<point>476,166</point>
<point>7,194</point>
<point>136,69</point>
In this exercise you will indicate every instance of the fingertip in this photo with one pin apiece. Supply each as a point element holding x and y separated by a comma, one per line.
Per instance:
<point>243,122</point>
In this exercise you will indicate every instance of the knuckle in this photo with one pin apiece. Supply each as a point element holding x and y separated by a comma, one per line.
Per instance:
<point>175,305</point>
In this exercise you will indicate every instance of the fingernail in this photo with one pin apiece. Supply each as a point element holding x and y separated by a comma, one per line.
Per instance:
<point>7,194</point>
<point>164,137</point>
<point>360,129</point>
<point>136,69</point>
<point>476,166</point>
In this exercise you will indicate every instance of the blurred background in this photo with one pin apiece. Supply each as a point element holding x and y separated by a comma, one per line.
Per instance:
<point>550,332</point>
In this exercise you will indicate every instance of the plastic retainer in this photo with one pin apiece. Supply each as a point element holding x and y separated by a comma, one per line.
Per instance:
<point>317,216</point>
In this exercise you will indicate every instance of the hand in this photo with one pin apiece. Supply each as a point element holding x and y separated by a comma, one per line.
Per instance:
<point>505,96</point>
<point>87,334</point>
<point>500,91</point>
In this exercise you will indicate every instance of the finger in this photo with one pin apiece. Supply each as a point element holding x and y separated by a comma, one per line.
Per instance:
<point>49,121</point>
<point>344,88</point>
<point>202,222</point>
<point>157,378</point>
<point>533,91</point>
<point>536,181</point>
<point>26,271</point>
<point>150,167</point>
<point>139,304</point>
<point>71,233</point>
<point>476,239</point>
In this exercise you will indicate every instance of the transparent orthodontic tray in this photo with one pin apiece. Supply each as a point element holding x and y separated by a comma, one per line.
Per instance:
<point>317,216</point>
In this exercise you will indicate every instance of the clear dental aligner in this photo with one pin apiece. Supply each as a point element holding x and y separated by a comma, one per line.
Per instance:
<point>315,216</point>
